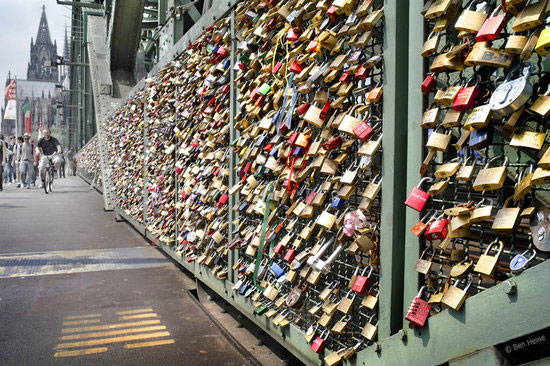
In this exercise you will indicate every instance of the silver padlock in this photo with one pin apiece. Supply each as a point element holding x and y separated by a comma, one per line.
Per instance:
<point>520,262</point>
<point>540,229</point>
<point>512,94</point>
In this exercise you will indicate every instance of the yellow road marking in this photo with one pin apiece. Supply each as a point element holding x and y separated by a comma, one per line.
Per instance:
<point>134,311</point>
<point>78,322</point>
<point>82,316</point>
<point>112,332</point>
<point>97,342</point>
<point>79,352</point>
<point>110,326</point>
<point>138,316</point>
<point>149,344</point>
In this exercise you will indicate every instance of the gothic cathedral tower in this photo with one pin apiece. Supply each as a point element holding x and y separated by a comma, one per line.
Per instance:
<point>41,51</point>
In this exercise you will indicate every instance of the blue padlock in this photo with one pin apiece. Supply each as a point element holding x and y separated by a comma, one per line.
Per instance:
<point>215,49</point>
<point>226,64</point>
<point>337,202</point>
<point>520,262</point>
<point>276,270</point>
<point>480,139</point>
<point>244,288</point>
<point>274,152</point>
<point>243,206</point>
<point>298,151</point>
<point>260,141</point>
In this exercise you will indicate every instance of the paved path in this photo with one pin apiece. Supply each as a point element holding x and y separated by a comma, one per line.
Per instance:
<point>76,287</point>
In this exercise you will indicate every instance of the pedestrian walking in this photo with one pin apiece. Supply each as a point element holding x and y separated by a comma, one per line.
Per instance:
<point>16,161</point>
<point>26,158</point>
<point>2,160</point>
<point>9,176</point>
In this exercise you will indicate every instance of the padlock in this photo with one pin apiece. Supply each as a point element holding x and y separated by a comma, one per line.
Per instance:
<point>439,141</point>
<point>479,118</point>
<point>466,170</point>
<point>419,310</point>
<point>421,226</point>
<point>346,303</point>
<point>430,118</point>
<point>428,84</point>
<point>452,118</point>
<point>511,95</point>
<point>491,178</point>
<point>422,265</point>
<point>520,262</point>
<point>438,187</point>
<point>417,199</point>
<point>531,16</point>
<point>467,95</point>
<point>492,27</point>
<point>455,297</point>
<point>481,213</point>
<point>507,218</point>
<point>340,326</point>
<point>461,270</point>
<point>448,169</point>
<point>335,358</point>
<point>438,229</point>
<point>543,43</point>
<point>515,43</point>
<point>540,229</point>
<point>437,8</point>
<point>363,131</point>
<point>431,45</point>
<point>276,270</point>
<point>487,264</point>
<point>470,20</point>
<point>528,140</point>
<point>541,106</point>
<point>540,176</point>
<point>480,139</point>
<point>362,282</point>
<point>370,330</point>
<point>318,345</point>
<point>523,184</point>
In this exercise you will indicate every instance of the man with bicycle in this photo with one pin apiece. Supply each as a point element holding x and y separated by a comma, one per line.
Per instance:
<point>49,148</point>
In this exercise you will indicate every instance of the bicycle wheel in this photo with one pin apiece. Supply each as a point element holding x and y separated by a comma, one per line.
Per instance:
<point>47,180</point>
<point>51,182</point>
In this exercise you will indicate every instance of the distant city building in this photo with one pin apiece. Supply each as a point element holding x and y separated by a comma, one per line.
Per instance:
<point>39,94</point>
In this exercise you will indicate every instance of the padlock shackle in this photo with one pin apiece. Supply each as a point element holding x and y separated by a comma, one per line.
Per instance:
<point>496,242</point>
<point>506,160</point>
<point>425,179</point>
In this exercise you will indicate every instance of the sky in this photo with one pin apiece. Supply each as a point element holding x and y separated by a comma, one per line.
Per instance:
<point>19,21</point>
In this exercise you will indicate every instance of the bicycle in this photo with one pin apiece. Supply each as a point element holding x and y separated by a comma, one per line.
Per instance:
<point>48,176</point>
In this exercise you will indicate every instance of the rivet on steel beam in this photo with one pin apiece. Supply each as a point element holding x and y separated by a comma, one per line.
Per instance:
<point>378,347</point>
<point>402,334</point>
<point>510,287</point>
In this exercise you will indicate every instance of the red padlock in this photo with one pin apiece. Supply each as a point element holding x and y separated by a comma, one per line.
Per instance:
<point>296,66</point>
<point>363,131</point>
<point>467,96</point>
<point>318,345</point>
<point>279,248</point>
<point>292,35</point>
<point>362,282</point>
<point>493,26</point>
<point>419,310</point>
<point>345,78</point>
<point>277,67</point>
<point>417,198</point>
<point>290,254</point>
<point>362,72</point>
<point>437,230</point>
<point>303,108</point>
<point>421,226</point>
<point>332,14</point>
<point>333,143</point>
<point>428,84</point>
<point>223,200</point>
<point>324,111</point>
<point>293,137</point>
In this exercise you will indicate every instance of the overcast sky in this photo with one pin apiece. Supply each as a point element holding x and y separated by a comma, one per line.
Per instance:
<point>19,21</point>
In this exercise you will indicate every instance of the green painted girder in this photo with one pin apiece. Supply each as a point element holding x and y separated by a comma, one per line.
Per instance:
<point>125,33</point>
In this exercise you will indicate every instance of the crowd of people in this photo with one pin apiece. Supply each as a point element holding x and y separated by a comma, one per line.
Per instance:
<point>23,159</point>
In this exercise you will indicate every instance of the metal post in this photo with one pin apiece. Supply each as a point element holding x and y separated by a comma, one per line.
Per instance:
<point>232,257</point>
<point>394,164</point>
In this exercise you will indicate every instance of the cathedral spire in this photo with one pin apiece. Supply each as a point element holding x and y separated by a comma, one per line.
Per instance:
<point>43,35</point>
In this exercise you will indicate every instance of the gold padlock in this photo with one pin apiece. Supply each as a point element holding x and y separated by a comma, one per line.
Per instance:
<point>528,140</point>
<point>541,106</point>
<point>470,21</point>
<point>481,213</point>
<point>454,297</point>
<point>452,118</point>
<point>523,185</point>
<point>370,330</point>
<point>515,43</point>
<point>430,118</point>
<point>479,117</point>
<point>507,218</point>
<point>466,171</point>
<point>437,8</point>
<point>531,16</point>
<point>439,141</point>
<point>487,264</point>
<point>448,169</point>
<point>488,178</point>
<point>540,176</point>
<point>438,187</point>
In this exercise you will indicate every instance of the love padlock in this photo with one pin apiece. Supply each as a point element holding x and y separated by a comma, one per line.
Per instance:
<point>362,282</point>
<point>437,230</point>
<point>428,84</point>
<point>318,345</point>
<point>467,96</point>
<point>290,254</point>
<point>492,27</point>
<point>520,262</point>
<point>419,310</point>
<point>417,199</point>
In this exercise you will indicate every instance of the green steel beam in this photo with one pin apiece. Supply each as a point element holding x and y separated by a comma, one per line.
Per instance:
<point>394,144</point>
<point>80,4</point>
